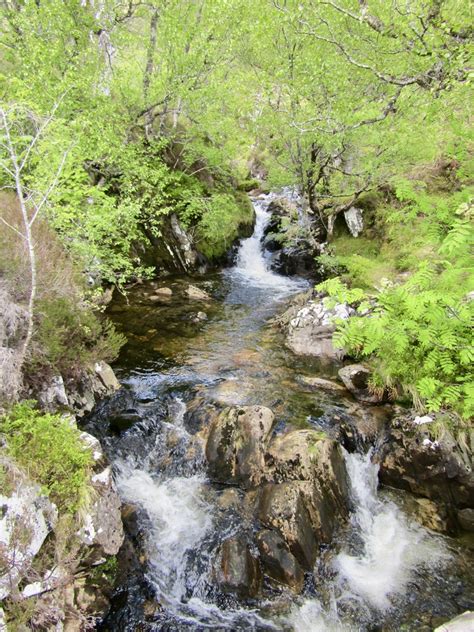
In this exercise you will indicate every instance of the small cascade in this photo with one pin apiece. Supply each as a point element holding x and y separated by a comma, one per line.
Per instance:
<point>377,563</point>
<point>253,264</point>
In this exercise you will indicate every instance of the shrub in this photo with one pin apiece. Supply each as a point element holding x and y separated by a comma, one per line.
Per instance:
<point>69,337</point>
<point>50,450</point>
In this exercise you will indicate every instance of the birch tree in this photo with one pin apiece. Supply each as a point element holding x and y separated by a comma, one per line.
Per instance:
<point>21,133</point>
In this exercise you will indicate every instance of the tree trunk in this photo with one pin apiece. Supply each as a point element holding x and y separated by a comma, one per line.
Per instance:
<point>149,68</point>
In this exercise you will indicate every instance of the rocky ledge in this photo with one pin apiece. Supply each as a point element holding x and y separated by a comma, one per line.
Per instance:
<point>425,458</point>
<point>55,561</point>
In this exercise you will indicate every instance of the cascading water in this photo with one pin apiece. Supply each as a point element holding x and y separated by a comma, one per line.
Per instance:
<point>183,518</point>
<point>253,265</point>
<point>388,550</point>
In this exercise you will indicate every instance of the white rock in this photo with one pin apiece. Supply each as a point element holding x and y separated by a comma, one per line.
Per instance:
<point>426,419</point>
<point>54,394</point>
<point>50,581</point>
<point>104,477</point>
<point>92,443</point>
<point>354,220</point>
<point>27,518</point>
<point>463,623</point>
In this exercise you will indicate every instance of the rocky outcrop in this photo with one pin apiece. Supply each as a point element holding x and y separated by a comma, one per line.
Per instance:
<point>237,570</point>
<point>298,478</point>
<point>309,329</point>
<point>356,379</point>
<point>58,583</point>
<point>290,239</point>
<point>172,251</point>
<point>236,445</point>
<point>438,468</point>
<point>102,527</point>
<point>97,382</point>
<point>27,517</point>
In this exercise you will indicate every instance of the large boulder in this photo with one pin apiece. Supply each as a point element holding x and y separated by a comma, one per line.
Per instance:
<point>435,467</point>
<point>236,443</point>
<point>356,379</point>
<point>309,331</point>
<point>238,571</point>
<point>308,495</point>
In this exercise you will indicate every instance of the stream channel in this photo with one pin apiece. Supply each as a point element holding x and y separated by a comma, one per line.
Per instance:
<point>382,571</point>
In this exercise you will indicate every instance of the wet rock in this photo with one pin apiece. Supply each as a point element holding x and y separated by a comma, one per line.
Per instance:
<point>284,507</point>
<point>463,623</point>
<point>307,455</point>
<point>466,519</point>
<point>124,420</point>
<point>238,571</point>
<point>319,383</point>
<point>308,497</point>
<point>296,259</point>
<point>438,468</point>
<point>429,514</point>
<point>236,445</point>
<point>356,379</point>
<point>106,375</point>
<point>361,426</point>
<point>196,293</point>
<point>277,560</point>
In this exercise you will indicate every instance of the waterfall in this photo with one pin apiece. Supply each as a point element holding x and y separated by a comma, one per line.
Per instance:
<point>253,264</point>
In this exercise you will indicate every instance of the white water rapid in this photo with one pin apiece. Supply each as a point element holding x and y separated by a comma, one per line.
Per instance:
<point>253,264</point>
<point>389,551</point>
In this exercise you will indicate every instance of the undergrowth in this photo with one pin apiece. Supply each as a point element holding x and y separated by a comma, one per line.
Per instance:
<point>50,450</point>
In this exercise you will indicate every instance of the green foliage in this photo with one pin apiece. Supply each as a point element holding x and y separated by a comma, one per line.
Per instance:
<point>419,332</point>
<point>69,337</point>
<point>219,225</point>
<point>50,450</point>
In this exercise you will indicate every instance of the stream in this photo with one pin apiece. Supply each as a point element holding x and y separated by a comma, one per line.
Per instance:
<point>382,572</point>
